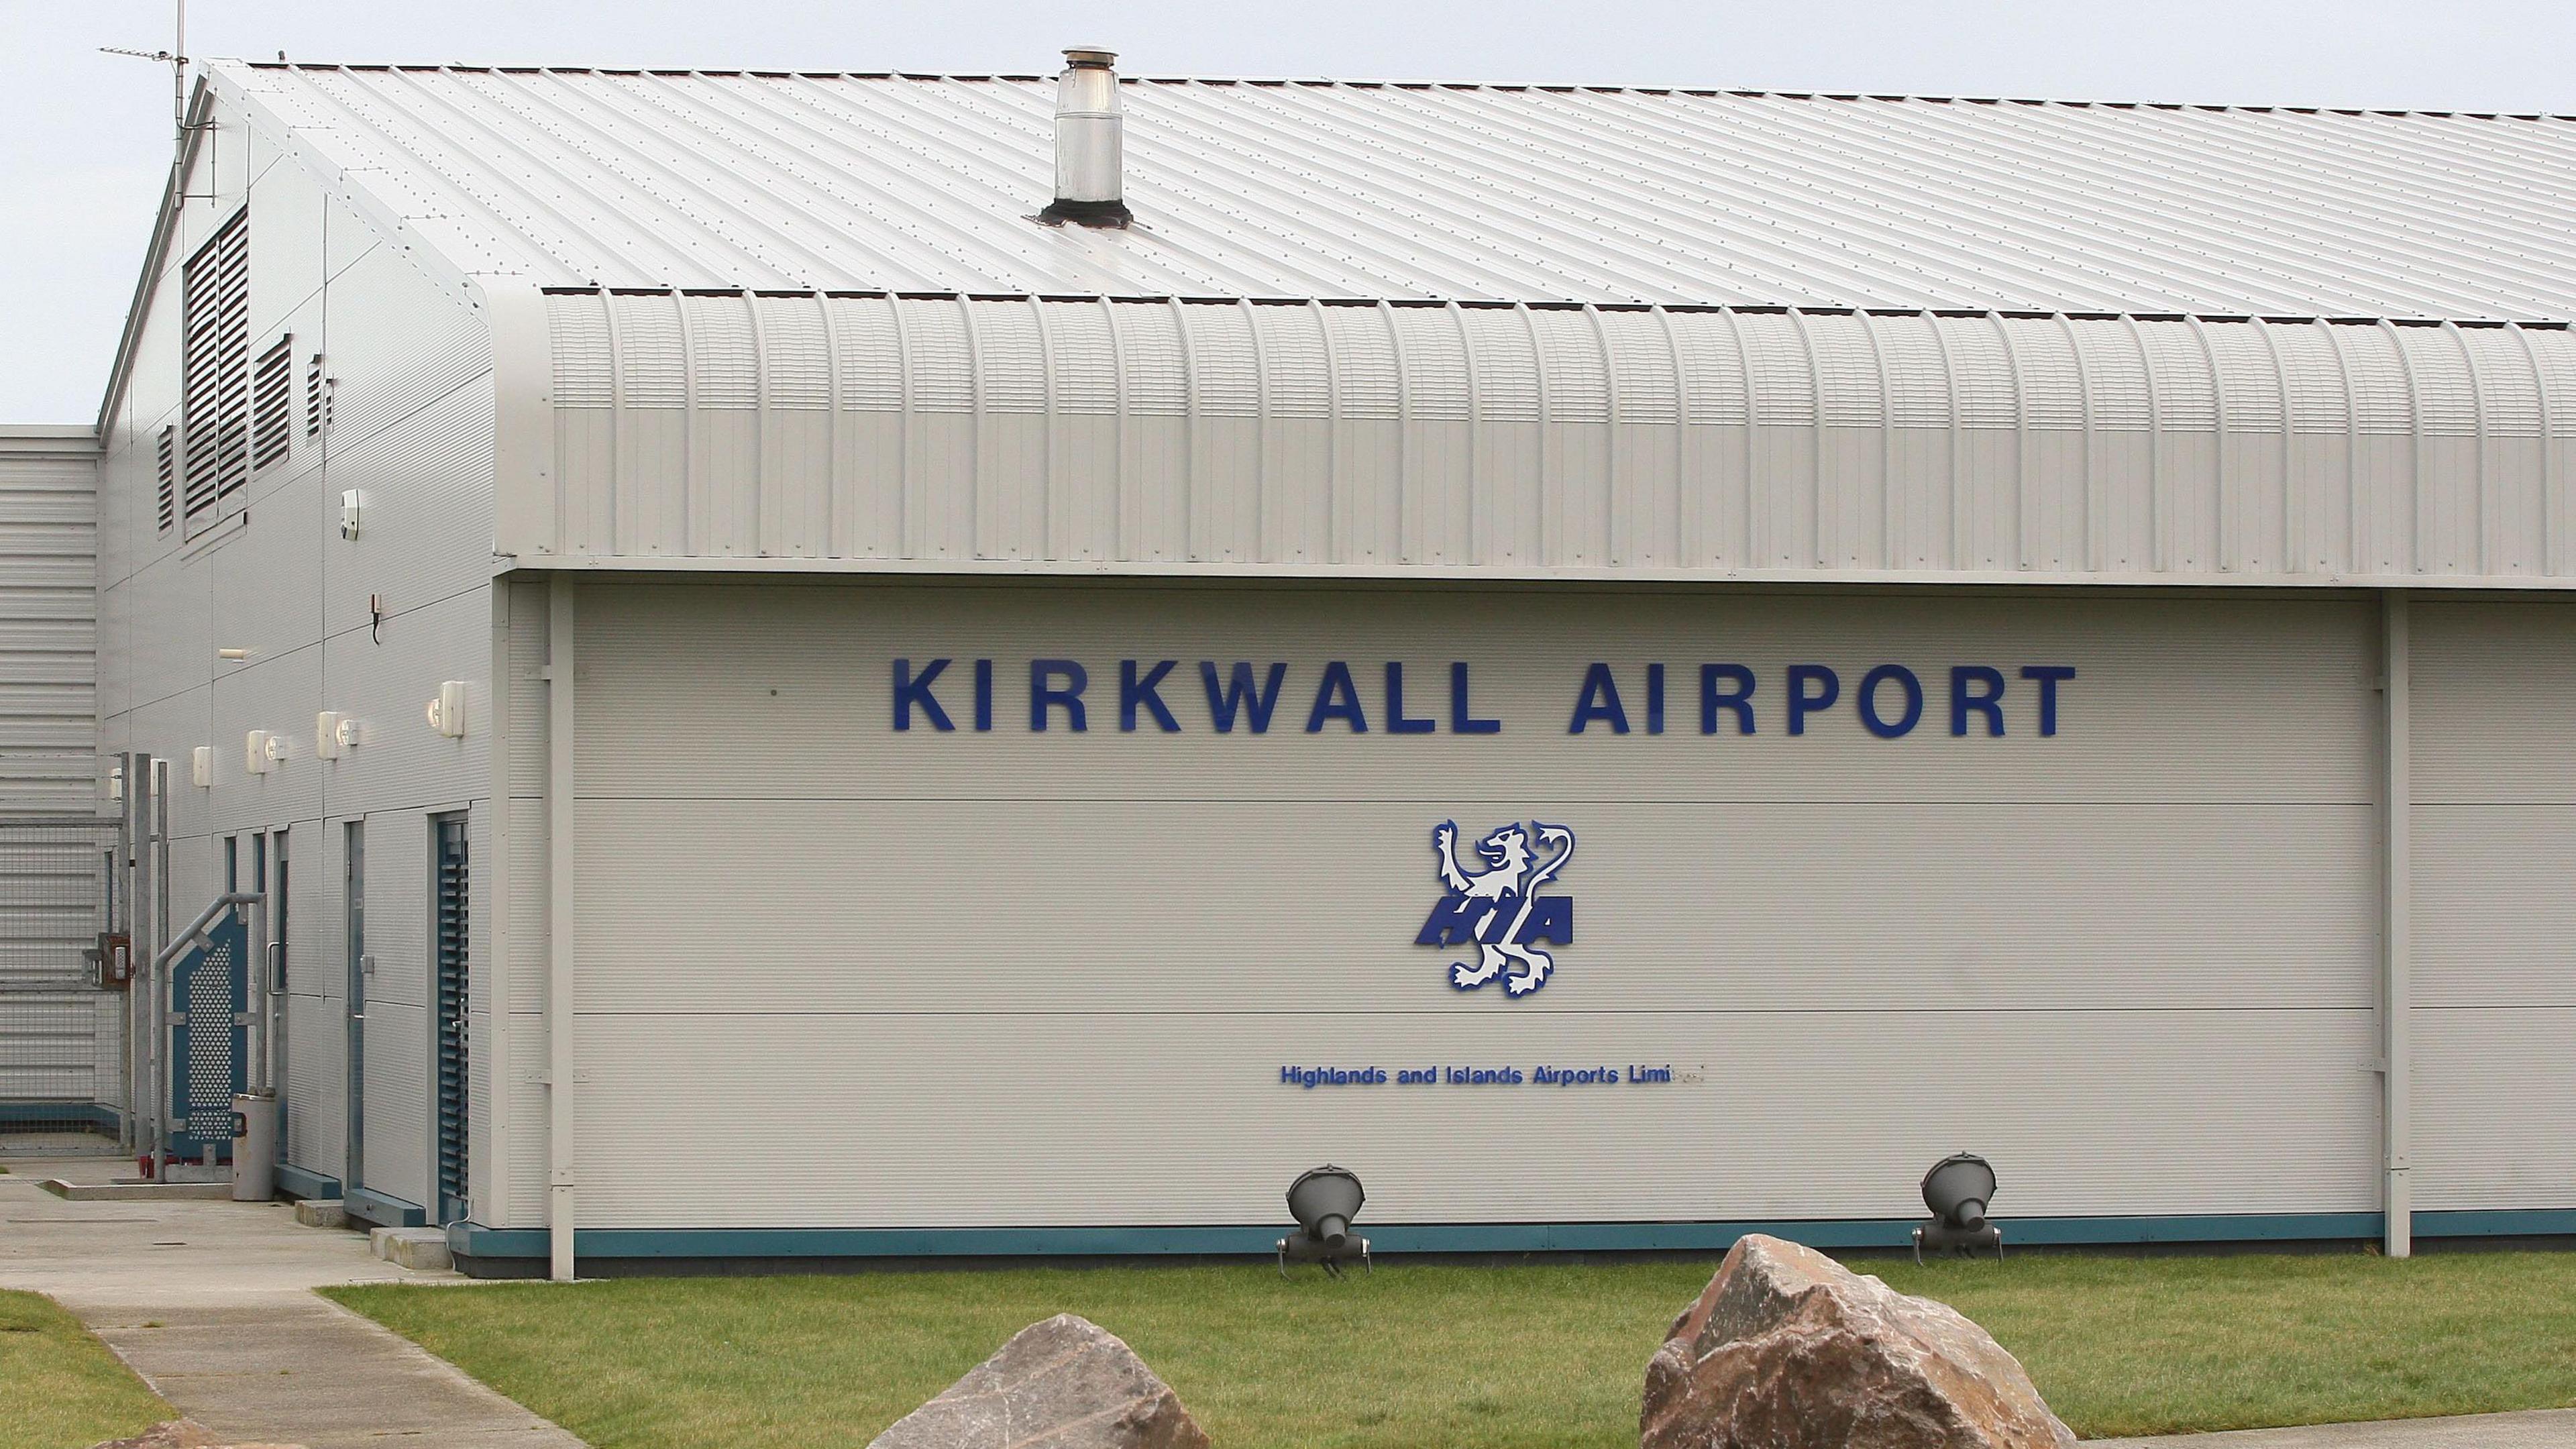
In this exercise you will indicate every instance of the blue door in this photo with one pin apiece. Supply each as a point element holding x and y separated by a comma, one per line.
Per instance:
<point>209,1040</point>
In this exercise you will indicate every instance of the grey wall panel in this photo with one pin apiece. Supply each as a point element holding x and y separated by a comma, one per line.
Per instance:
<point>2494,914</point>
<point>970,959</point>
<point>2495,681</point>
<point>525,1206</point>
<point>396,1158</point>
<point>1113,1119</point>
<point>427,531</point>
<point>279,694</point>
<point>386,679</point>
<point>787,692</point>
<point>2495,1094</point>
<point>890,906</point>
<point>2495,847</point>
<point>316,1107</point>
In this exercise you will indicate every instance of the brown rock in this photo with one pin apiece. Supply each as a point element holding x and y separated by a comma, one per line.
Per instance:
<point>1066,1383</point>
<point>1787,1349</point>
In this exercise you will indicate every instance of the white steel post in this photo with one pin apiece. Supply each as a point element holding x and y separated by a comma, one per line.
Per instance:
<point>559,929</point>
<point>2397,987</point>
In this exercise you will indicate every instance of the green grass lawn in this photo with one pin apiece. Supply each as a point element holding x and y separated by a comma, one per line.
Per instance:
<point>1534,1357</point>
<point>61,1388</point>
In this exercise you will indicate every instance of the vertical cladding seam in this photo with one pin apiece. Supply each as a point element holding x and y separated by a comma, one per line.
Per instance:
<point>2549,510</point>
<point>2415,444</point>
<point>1350,537</point>
<point>2478,475</point>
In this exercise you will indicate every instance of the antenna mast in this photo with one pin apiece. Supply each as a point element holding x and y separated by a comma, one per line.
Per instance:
<point>177,57</point>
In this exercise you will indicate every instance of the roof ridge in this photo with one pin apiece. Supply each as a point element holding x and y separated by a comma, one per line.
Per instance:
<point>1364,83</point>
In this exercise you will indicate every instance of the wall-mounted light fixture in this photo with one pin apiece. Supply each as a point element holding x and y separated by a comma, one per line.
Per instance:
<point>233,656</point>
<point>1323,1200</point>
<point>263,750</point>
<point>1957,1190</point>
<point>201,767</point>
<point>116,784</point>
<point>353,504</point>
<point>333,732</point>
<point>447,712</point>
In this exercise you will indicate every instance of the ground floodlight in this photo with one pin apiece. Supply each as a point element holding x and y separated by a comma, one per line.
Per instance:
<point>1957,1190</point>
<point>1323,1200</point>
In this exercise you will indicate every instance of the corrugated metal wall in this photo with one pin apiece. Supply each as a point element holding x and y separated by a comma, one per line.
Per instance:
<point>49,622</point>
<point>368,627</point>
<point>59,1039</point>
<point>1069,435</point>
<point>848,975</point>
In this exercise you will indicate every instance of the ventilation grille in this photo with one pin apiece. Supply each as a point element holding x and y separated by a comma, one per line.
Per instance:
<point>166,466</point>
<point>272,404</point>
<point>214,385</point>
<point>317,398</point>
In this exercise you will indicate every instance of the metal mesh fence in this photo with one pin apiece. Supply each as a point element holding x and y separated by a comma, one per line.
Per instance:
<point>62,1029</point>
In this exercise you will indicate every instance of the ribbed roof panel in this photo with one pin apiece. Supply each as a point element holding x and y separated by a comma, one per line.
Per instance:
<point>1469,193</point>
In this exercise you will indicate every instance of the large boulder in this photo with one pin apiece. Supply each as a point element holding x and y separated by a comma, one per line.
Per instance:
<point>1066,1383</point>
<point>1788,1349</point>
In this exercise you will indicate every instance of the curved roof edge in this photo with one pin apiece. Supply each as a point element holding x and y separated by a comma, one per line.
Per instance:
<point>1084,436</point>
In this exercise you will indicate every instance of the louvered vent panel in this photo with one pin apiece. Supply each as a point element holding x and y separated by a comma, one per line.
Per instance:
<point>272,404</point>
<point>214,383</point>
<point>166,467</point>
<point>317,398</point>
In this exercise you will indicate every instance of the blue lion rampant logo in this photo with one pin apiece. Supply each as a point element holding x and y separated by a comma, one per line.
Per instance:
<point>1499,908</point>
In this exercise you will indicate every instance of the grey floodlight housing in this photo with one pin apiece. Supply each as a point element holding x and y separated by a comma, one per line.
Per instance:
<point>1957,1190</point>
<point>1323,1200</point>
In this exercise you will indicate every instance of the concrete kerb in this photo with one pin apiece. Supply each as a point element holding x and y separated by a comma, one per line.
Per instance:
<point>211,1303</point>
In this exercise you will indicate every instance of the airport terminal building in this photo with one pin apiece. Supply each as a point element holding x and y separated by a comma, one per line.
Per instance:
<point>865,664</point>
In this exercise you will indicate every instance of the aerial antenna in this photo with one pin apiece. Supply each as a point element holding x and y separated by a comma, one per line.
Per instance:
<point>176,57</point>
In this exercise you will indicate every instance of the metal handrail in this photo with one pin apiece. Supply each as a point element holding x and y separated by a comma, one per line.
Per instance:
<point>196,928</point>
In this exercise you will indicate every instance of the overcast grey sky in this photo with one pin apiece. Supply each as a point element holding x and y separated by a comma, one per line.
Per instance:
<point>84,137</point>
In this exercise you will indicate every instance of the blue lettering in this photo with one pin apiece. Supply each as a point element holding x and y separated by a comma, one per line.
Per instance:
<point>1829,687</point>
<point>1133,691</point>
<point>1989,702</point>
<point>911,691</point>
<point>984,696</point>
<point>1337,682</point>
<point>1396,723</point>
<point>1739,699</point>
<point>1238,694</point>
<point>1043,692</point>
<point>1868,701</point>
<point>2048,676</point>
<point>1600,701</point>
<point>1461,721</point>
<point>1654,699</point>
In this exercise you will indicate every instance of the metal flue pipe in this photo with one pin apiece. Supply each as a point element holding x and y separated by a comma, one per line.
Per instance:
<point>1090,149</point>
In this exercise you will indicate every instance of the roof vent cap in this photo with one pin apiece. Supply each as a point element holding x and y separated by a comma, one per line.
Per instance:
<point>1088,150</point>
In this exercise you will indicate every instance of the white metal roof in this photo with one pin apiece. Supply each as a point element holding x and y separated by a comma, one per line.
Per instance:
<point>1459,192</point>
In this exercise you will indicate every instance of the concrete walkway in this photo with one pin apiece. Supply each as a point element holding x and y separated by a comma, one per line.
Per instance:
<point>211,1302</point>
<point>2539,1429</point>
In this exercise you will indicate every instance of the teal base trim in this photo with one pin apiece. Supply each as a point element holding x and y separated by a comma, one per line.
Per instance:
<point>472,1240</point>
<point>88,1115</point>
<point>296,1182</point>
<point>383,1211</point>
<point>2497,1223</point>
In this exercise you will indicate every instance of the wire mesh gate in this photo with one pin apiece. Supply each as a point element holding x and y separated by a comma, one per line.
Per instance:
<point>64,1017</point>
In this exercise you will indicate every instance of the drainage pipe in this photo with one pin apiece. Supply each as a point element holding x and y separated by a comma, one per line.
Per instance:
<point>559,929</point>
<point>2397,926</point>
